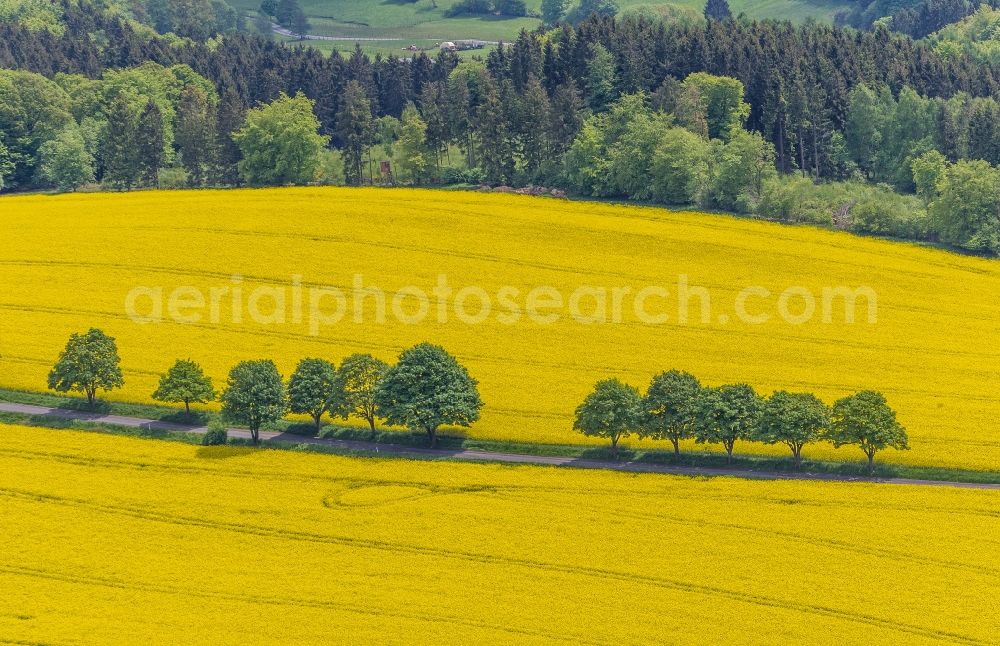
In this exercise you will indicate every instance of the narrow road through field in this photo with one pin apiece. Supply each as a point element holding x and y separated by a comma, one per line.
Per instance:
<point>470,455</point>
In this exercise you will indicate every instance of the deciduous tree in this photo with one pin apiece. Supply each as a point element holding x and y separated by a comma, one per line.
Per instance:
<point>553,11</point>
<point>89,362</point>
<point>427,389</point>
<point>359,377</point>
<point>680,167</point>
<point>600,77</point>
<point>280,143</point>
<point>185,383</point>
<point>613,410</point>
<point>793,419</point>
<point>254,396</point>
<point>413,154</point>
<point>966,213</point>
<point>866,420</point>
<point>313,389</point>
<point>722,97</point>
<point>727,414</point>
<point>65,161</point>
<point>670,407</point>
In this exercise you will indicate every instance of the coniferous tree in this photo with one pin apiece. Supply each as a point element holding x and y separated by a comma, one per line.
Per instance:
<point>195,135</point>
<point>228,119</point>
<point>718,10</point>
<point>493,133</point>
<point>461,112</point>
<point>149,143</point>
<point>565,116</point>
<point>433,110</point>
<point>119,150</point>
<point>355,131</point>
<point>533,109</point>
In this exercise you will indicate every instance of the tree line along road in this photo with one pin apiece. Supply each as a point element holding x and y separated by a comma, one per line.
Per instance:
<point>394,450</point>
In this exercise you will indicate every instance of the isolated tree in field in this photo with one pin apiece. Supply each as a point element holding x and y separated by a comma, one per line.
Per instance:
<point>355,129</point>
<point>300,24</point>
<point>613,410</point>
<point>866,419</point>
<point>65,161</point>
<point>793,419</point>
<point>727,414</point>
<point>89,362</point>
<point>268,7</point>
<point>718,10</point>
<point>285,11</point>
<point>359,378</point>
<point>427,389</point>
<point>313,389</point>
<point>281,143</point>
<point>262,25</point>
<point>254,396</point>
<point>185,382</point>
<point>670,407</point>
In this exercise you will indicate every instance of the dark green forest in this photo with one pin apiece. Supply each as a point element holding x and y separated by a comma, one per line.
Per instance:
<point>868,130</point>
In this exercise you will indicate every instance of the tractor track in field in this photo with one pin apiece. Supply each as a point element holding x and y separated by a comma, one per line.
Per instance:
<point>395,450</point>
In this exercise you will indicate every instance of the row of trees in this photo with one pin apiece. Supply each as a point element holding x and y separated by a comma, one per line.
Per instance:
<point>677,407</point>
<point>426,389</point>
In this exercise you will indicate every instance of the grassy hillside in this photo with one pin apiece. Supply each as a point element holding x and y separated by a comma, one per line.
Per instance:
<point>70,261</point>
<point>421,23</point>
<point>109,540</point>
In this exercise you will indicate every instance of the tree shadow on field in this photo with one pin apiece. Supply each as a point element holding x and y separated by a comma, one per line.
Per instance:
<point>223,452</point>
<point>606,454</point>
<point>99,407</point>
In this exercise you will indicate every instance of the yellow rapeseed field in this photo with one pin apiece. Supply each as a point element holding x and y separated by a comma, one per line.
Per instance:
<point>111,540</point>
<point>69,262</point>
